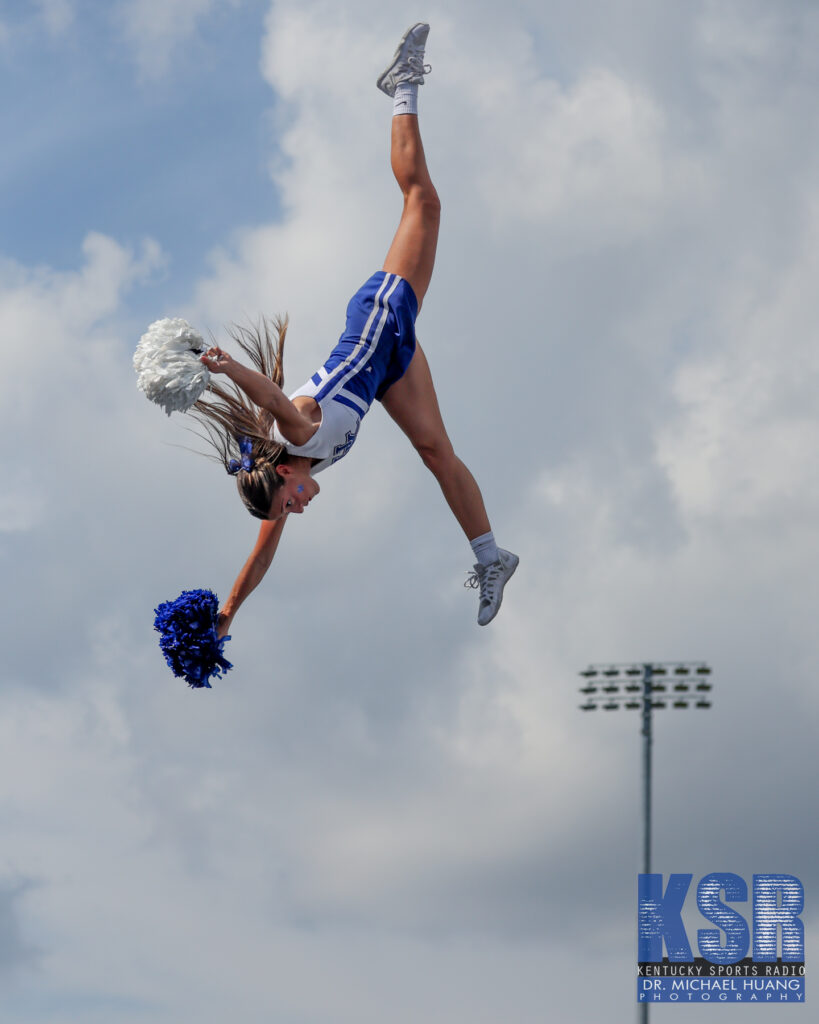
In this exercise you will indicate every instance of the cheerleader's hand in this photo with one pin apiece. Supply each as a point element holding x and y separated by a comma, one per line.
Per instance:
<point>216,360</point>
<point>222,625</point>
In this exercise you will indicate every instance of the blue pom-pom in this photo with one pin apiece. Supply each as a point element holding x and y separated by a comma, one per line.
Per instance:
<point>187,628</point>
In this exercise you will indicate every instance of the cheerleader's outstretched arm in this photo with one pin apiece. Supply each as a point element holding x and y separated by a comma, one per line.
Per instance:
<point>294,425</point>
<point>252,572</point>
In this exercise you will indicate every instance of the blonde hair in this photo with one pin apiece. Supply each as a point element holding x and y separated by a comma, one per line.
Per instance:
<point>227,415</point>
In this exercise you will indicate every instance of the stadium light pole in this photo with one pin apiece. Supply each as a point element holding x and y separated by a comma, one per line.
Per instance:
<point>634,686</point>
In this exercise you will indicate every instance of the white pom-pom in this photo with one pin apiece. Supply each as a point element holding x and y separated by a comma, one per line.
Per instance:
<point>168,367</point>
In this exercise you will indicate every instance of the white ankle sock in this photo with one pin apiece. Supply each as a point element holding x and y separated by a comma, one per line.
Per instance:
<point>405,100</point>
<point>485,548</point>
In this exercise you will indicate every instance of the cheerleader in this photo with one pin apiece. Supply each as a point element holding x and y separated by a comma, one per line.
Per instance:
<point>276,445</point>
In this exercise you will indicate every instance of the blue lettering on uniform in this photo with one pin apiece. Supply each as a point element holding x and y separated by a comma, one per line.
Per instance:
<point>341,450</point>
<point>737,936</point>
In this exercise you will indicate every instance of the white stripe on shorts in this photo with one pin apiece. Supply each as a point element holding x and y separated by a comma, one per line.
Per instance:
<point>339,375</point>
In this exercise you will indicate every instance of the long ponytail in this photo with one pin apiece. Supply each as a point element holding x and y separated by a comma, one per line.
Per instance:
<point>227,415</point>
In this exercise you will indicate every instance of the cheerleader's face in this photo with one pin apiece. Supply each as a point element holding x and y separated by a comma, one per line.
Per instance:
<point>295,494</point>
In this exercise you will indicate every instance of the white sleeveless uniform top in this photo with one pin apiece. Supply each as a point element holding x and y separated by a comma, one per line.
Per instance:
<point>336,433</point>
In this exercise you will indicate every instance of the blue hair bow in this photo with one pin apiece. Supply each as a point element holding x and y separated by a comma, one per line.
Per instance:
<point>246,449</point>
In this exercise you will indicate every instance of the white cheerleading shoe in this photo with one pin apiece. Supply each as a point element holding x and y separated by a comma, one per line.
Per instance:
<point>408,62</point>
<point>492,579</point>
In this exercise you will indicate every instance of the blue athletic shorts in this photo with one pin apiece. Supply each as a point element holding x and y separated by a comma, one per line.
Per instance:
<point>378,341</point>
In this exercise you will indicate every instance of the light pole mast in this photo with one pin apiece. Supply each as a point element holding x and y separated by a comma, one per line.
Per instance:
<point>648,739</point>
<point>615,686</point>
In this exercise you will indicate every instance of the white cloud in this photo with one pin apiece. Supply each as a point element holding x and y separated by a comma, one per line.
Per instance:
<point>155,29</point>
<point>590,182</point>
<point>728,33</point>
<point>747,424</point>
<point>53,323</point>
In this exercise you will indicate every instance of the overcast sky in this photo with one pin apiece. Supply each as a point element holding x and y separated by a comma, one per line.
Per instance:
<point>385,813</point>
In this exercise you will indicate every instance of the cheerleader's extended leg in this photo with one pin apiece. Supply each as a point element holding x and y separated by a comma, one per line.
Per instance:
<point>413,404</point>
<point>411,401</point>
<point>412,253</point>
